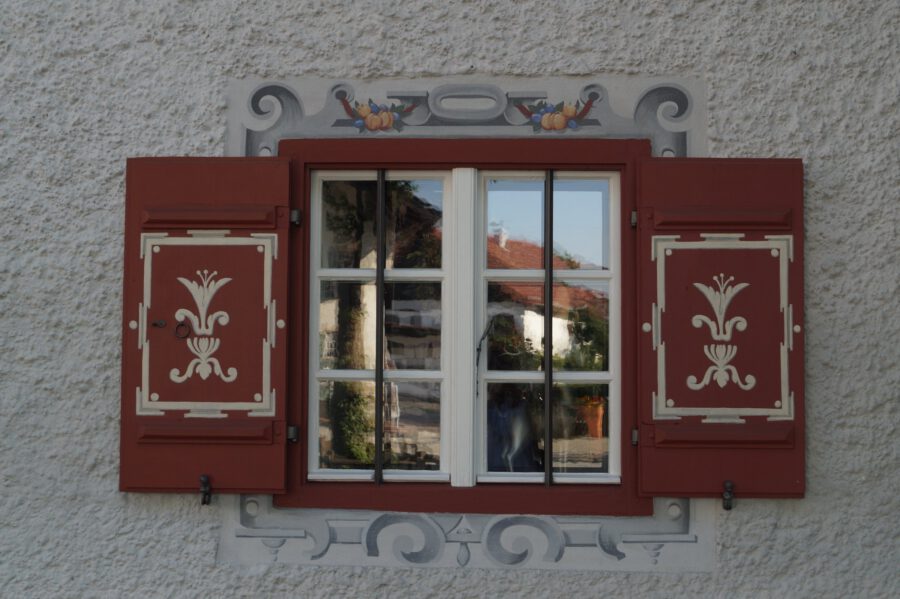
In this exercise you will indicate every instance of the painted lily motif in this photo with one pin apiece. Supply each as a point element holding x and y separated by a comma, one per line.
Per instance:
<point>719,299</point>
<point>203,293</point>
<point>720,354</point>
<point>203,345</point>
<point>721,371</point>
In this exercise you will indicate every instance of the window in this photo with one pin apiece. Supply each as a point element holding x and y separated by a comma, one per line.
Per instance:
<point>464,279</point>
<point>258,309</point>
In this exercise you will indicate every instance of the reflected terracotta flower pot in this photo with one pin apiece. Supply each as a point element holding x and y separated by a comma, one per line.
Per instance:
<point>592,414</point>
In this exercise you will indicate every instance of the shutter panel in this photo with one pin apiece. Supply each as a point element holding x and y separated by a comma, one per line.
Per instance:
<point>720,263</point>
<point>204,339</point>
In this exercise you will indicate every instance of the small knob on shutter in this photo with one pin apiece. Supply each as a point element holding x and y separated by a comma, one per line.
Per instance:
<point>159,324</point>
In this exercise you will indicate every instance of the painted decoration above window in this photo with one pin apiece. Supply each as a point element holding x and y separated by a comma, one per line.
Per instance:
<point>671,112</point>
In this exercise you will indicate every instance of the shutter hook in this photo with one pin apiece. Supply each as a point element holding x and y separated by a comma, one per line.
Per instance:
<point>205,489</point>
<point>728,495</point>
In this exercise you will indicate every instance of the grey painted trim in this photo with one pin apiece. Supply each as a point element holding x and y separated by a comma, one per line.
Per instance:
<point>679,537</point>
<point>671,112</point>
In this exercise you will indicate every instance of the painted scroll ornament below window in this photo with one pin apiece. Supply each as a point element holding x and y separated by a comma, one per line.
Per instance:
<point>206,345</point>
<point>721,354</point>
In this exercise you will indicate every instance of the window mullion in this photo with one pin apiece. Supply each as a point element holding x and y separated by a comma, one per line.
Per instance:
<point>461,319</point>
<point>379,327</point>
<point>548,327</point>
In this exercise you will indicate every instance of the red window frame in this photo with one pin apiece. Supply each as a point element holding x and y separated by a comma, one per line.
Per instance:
<point>308,155</point>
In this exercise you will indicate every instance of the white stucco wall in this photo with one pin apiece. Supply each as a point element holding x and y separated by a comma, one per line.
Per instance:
<point>86,84</point>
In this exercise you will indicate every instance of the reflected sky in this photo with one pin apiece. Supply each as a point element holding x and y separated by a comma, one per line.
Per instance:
<point>581,214</point>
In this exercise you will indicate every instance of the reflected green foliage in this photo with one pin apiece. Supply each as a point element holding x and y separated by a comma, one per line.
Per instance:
<point>590,341</point>
<point>351,425</point>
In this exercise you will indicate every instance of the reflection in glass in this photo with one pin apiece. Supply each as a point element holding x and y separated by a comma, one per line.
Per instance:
<point>412,326</point>
<point>348,224</point>
<point>347,325</point>
<point>580,224</point>
<point>515,229</point>
<point>413,223</point>
<point>580,428</point>
<point>581,326</point>
<point>347,424</point>
<point>412,425</point>
<point>515,427</point>
<point>515,313</point>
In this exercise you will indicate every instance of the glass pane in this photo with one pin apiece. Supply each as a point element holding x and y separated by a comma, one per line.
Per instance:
<point>347,325</point>
<point>348,224</point>
<point>580,428</point>
<point>515,224</point>
<point>515,326</point>
<point>515,427</point>
<point>413,224</point>
<point>347,424</point>
<point>412,425</point>
<point>412,326</point>
<point>581,326</point>
<point>580,224</point>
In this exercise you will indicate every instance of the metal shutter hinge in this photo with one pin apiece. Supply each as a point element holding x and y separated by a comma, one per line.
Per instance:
<point>634,219</point>
<point>293,434</point>
<point>634,436</point>
<point>296,217</point>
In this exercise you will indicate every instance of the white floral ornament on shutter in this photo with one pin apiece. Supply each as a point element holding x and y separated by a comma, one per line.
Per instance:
<point>203,347</point>
<point>720,354</point>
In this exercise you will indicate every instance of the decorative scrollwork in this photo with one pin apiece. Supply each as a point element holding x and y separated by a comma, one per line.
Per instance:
<point>403,545</point>
<point>522,547</point>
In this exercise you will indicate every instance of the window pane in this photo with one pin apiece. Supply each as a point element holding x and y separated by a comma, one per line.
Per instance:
<point>580,224</point>
<point>581,326</point>
<point>412,326</point>
<point>515,427</point>
<point>515,314</point>
<point>515,223</point>
<point>412,425</point>
<point>347,325</point>
<point>348,224</point>
<point>413,223</point>
<point>580,428</point>
<point>347,424</point>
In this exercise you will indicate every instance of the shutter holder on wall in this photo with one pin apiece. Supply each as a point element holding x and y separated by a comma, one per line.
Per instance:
<point>728,495</point>
<point>205,489</point>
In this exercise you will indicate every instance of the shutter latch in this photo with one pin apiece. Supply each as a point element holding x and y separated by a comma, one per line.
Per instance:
<point>293,434</point>
<point>296,217</point>
<point>728,495</point>
<point>205,489</point>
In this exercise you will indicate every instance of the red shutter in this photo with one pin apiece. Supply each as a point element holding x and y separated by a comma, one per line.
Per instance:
<point>720,264</point>
<point>204,337</point>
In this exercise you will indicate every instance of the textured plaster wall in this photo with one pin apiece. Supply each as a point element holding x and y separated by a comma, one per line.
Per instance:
<point>86,84</point>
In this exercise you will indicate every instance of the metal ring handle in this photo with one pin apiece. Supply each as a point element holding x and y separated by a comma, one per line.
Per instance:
<point>182,330</point>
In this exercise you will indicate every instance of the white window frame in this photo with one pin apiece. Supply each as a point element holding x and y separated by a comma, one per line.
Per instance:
<point>463,276</point>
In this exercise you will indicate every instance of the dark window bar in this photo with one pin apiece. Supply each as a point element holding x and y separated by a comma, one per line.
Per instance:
<point>379,326</point>
<point>548,327</point>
